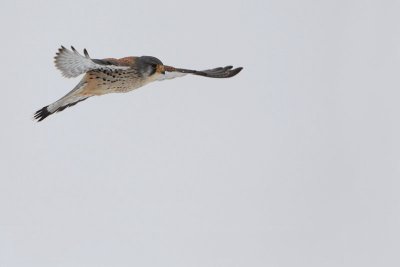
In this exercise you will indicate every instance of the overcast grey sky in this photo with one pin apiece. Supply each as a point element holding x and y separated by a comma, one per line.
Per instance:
<point>294,162</point>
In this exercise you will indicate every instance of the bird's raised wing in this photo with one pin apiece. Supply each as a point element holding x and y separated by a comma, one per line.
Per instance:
<point>72,64</point>
<point>225,72</point>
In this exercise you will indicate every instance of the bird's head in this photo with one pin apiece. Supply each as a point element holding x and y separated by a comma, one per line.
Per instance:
<point>151,66</point>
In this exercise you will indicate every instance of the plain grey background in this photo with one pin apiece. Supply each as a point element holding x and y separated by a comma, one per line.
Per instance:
<point>294,162</point>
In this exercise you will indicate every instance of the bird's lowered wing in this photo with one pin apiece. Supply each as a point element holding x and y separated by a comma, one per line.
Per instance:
<point>222,72</point>
<point>72,64</point>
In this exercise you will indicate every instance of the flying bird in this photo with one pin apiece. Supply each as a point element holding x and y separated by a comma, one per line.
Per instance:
<point>111,75</point>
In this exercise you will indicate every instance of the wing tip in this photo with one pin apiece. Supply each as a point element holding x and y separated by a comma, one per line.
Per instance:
<point>235,71</point>
<point>41,114</point>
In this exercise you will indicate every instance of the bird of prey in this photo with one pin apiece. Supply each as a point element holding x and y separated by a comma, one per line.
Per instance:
<point>110,75</point>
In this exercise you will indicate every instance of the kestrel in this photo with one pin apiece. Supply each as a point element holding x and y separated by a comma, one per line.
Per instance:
<point>110,75</point>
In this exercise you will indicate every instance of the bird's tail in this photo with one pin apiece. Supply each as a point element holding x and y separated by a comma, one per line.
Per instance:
<point>72,98</point>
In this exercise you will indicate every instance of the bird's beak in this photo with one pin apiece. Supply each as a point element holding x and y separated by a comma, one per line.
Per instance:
<point>160,69</point>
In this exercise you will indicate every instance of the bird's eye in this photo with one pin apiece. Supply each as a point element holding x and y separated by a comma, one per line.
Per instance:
<point>153,68</point>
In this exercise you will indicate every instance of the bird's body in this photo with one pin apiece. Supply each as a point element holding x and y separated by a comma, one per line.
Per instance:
<point>104,81</point>
<point>101,82</point>
<point>110,75</point>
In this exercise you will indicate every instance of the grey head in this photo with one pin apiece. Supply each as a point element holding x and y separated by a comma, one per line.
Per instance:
<point>149,65</point>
